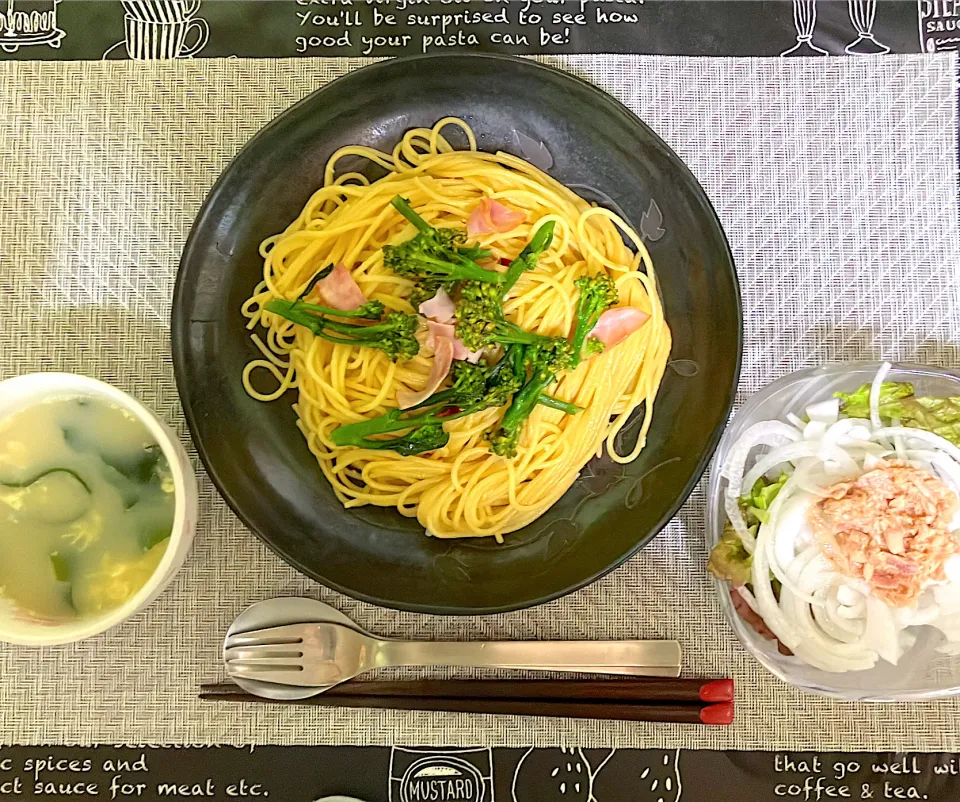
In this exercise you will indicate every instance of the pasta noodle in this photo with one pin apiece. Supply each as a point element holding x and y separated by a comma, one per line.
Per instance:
<point>463,489</point>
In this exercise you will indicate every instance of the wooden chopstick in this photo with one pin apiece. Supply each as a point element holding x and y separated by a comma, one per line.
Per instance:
<point>614,700</point>
<point>637,689</point>
<point>716,714</point>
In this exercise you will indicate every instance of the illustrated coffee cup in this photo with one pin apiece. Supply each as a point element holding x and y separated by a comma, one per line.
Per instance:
<point>161,10</point>
<point>164,40</point>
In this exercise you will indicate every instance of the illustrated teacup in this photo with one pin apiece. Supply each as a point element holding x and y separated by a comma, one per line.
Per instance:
<point>164,40</point>
<point>161,10</point>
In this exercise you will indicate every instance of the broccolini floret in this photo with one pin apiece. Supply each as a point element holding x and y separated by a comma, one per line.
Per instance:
<point>435,253</point>
<point>597,294</point>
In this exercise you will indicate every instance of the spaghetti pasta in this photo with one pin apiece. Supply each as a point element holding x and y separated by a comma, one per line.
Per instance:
<point>462,489</point>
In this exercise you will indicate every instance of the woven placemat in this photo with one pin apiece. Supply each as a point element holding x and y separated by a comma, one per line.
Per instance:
<point>836,180</point>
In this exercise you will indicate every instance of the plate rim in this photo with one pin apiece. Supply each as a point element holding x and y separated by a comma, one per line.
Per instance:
<point>179,339</point>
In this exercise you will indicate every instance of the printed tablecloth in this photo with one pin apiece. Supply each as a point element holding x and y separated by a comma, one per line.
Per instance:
<point>836,180</point>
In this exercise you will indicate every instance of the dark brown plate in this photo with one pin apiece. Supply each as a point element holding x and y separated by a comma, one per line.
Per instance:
<point>260,462</point>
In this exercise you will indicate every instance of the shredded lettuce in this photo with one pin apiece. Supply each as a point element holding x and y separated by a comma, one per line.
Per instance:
<point>898,402</point>
<point>762,495</point>
<point>857,403</point>
<point>729,560</point>
<point>756,504</point>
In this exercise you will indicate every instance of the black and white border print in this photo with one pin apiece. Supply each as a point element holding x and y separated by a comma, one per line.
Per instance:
<point>563,774</point>
<point>176,29</point>
<point>161,29</point>
<point>151,773</point>
<point>29,25</point>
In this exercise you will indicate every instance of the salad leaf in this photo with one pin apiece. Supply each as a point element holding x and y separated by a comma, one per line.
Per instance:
<point>857,403</point>
<point>898,402</point>
<point>729,560</point>
<point>940,416</point>
<point>761,496</point>
<point>945,410</point>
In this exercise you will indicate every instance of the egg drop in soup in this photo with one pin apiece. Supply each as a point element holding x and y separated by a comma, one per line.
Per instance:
<point>86,508</point>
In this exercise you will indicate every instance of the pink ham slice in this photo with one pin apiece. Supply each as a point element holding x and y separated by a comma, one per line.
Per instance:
<point>442,359</point>
<point>464,354</point>
<point>338,290</point>
<point>491,216</point>
<point>615,325</point>
<point>440,308</point>
<point>437,331</point>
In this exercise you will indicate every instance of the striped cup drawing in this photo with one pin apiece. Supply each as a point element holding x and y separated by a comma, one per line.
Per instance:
<point>164,40</point>
<point>161,10</point>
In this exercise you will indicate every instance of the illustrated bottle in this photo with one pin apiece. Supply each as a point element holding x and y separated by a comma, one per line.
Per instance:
<point>862,15</point>
<point>451,775</point>
<point>805,21</point>
<point>939,25</point>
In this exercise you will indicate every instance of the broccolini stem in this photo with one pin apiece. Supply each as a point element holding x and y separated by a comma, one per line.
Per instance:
<point>439,398</point>
<point>358,332</point>
<point>403,206</point>
<point>466,269</point>
<point>528,257</point>
<point>556,403</point>
<point>597,294</point>
<point>295,312</point>
<point>512,360</point>
<point>510,334</point>
<point>395,336</point>
<point>526,399</point>
<point>371,310</point>
<point>354,433</point>
<point>298,313</point>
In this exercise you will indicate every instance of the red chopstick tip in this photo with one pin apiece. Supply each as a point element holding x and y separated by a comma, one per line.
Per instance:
<point>717,714</point>
<point>720,690</point>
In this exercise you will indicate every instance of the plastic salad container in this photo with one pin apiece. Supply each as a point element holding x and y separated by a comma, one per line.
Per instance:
<point>922,672</point>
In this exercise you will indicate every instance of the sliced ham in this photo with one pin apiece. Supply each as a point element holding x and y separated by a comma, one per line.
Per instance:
<point>615,325</point>
<point>461,352</point>
<point>439,308</point>
<point>442,359</point>
<point>491,216</point>
<point>338,290</point>
<point>437,331</point>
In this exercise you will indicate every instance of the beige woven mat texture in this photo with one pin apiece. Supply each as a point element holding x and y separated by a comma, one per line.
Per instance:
<point>836,180</point>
